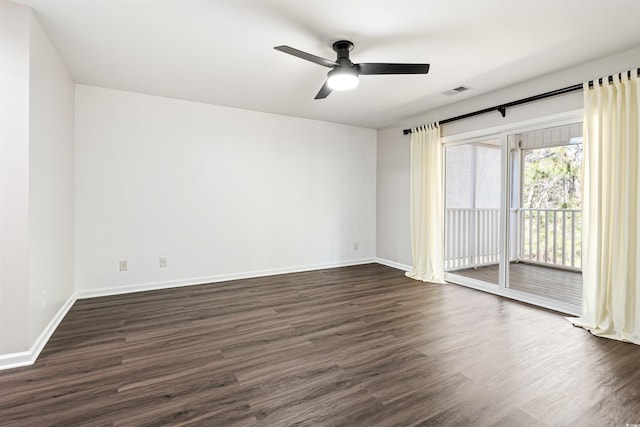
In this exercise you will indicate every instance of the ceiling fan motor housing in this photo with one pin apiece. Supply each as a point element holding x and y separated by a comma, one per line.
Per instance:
<point>342,48</point>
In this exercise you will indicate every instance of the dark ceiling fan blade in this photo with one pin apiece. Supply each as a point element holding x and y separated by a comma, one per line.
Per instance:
<point>380,68</point>
<point>324,91</point>
<point>307,56</point>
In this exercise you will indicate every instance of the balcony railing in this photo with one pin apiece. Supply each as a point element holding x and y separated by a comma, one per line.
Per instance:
<point>542,236</point>
<point>472,238</point>
<point>551,237</point>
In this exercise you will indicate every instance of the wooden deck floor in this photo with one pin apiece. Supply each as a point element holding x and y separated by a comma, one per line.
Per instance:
<point>560,285</point>
<point>353,346</point>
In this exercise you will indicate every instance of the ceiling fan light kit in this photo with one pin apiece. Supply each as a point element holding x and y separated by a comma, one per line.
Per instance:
<point>342,79</point>
<point>344,74</point>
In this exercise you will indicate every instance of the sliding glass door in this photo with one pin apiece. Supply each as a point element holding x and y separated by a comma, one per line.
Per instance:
<point>513,216</point>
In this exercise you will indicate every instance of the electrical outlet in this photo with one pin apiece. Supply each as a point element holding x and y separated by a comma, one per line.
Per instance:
<point>163,261</point>
<point>355,246</point>
<point>44,298</point>
<point>123,265</point>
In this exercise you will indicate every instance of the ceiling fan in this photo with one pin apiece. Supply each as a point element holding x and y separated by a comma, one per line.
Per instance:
<point>344,73</point>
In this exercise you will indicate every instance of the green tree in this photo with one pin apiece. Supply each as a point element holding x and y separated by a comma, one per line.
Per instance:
<point>552,178</point>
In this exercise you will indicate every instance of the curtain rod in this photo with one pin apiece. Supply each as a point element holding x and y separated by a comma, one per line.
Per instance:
<point>502,108</point>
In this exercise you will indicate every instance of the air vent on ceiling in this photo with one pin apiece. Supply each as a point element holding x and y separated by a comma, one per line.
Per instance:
<point>456,90</point>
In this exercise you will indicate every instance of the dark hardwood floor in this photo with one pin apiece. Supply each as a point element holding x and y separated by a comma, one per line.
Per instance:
<point>354,346</point>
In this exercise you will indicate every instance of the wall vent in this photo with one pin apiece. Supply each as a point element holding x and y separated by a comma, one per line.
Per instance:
<point>456,90</point>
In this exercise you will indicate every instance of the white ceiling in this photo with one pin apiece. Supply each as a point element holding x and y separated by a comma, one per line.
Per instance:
<point>221,52</point>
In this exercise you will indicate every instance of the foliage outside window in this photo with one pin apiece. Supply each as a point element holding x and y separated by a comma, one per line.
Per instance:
<point>553,178</point>
<point>552,203</point>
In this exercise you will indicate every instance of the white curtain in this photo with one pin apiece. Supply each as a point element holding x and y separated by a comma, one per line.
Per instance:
<point>427,205</point>
<point>611,238</point>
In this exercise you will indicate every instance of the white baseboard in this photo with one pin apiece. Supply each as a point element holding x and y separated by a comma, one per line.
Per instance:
<point>393,264</point>
<point>140,287</point>
<point>26,358</point>
<point>16,360</point>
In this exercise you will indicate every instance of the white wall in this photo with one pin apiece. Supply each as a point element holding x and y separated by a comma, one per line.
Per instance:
<point>393,238</point>
<point>36,186</point>
<point>393,231</point>
<point>51,186</point>
<point>220,192</point>
<point>14,176</point>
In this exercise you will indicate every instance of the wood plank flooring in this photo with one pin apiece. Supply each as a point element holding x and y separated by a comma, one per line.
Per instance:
<point>560,285</point>
<point>354,346</point>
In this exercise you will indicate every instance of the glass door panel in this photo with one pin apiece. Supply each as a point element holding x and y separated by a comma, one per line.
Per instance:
<point>545,221</point>
<point>472,210</point>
